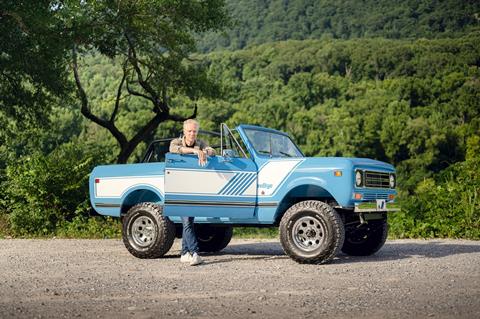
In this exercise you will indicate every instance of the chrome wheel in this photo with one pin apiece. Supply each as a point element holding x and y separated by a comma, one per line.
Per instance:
<point>146,233</point>
<point>308,233</point>
<point>142,231</point>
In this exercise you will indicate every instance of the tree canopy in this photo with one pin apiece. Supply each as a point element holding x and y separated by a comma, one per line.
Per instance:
<point>151,41</point>
<point>33,58</point>
<point>257,22</point>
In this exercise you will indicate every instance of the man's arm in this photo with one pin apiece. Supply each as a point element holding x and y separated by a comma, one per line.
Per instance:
<point>204,146</point>
<point>176,146</point>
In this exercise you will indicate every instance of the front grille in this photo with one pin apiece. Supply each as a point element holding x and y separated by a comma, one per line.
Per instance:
<point>377,179</point>
<point>375,196</point>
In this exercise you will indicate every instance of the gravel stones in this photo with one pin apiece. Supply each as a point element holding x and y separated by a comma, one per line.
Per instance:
<point>250,278</point>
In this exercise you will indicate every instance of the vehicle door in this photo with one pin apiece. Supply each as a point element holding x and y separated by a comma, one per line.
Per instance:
<point>225,187</point>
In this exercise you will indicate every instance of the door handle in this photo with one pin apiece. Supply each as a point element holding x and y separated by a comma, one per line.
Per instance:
<point>171,160</point>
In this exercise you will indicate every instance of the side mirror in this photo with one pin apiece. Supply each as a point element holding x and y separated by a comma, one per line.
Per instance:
<point>228,154</point>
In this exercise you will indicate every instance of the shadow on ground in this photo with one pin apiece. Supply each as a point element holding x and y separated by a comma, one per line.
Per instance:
<point>390,251</point>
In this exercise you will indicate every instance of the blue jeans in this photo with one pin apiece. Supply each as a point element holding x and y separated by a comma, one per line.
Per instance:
<point>189,240</point>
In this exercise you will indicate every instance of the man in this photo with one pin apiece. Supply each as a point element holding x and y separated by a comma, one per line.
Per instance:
<point>188,144</point>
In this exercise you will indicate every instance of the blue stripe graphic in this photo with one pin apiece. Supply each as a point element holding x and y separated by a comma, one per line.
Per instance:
<point>232,183</point>
<point>229,183</point>
<point>237,183</point>
<point>245,185</point>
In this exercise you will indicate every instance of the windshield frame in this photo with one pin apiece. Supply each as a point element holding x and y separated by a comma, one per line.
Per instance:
<point>244,128</point>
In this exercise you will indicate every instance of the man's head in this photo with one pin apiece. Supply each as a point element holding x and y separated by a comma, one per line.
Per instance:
<point>190,131</point>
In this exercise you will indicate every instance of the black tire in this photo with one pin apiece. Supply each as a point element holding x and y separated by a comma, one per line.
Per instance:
<point>213,238</point>
<point>146,232</point>
<point>366,239</point>
<point>311,232</point>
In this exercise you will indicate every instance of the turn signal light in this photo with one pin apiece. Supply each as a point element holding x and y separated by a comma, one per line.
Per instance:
<point>358,196</point>
<point>391,197</point>
<point>337,173</point>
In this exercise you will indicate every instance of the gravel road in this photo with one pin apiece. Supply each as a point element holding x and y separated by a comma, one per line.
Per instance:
<point>249,279</point>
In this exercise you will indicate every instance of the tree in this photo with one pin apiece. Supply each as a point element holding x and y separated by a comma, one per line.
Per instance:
<point>32,60</point>
<point>152,41</point>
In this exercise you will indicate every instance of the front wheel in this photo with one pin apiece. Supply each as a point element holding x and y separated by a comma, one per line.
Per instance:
<point>367,239</point>
<point>146,232</point>
<point>311,232</point>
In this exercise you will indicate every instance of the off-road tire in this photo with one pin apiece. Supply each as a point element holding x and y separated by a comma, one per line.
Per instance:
<point>213,238</point>
<point>366,239</point>
<point>311,232</point>
<point>146,232</point>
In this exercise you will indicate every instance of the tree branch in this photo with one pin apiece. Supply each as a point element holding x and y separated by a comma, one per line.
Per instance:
<point>178,118</point>
<point>136,93</point>
<point>119,94</point>
<point>132,55</point>
<point>17,19</point>
<point>122,140</point>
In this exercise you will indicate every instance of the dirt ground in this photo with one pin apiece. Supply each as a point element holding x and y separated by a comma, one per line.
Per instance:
<point>249,279</point>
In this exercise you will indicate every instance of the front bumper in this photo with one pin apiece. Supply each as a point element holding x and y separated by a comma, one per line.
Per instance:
<point>378,206</point>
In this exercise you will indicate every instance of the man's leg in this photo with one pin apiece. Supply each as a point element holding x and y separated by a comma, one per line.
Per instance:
<point>189,240</point>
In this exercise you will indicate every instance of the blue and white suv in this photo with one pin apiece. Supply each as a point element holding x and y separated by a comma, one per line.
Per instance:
<point>261,178</point>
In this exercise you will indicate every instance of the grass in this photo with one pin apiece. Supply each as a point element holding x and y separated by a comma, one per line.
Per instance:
<point>255,232</point>
<point>4,226</point>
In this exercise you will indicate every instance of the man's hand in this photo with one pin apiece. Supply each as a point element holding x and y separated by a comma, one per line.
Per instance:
<point>202,157</point>
<point>210,151</point>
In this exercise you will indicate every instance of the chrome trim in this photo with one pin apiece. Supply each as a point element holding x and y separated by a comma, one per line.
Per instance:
<point>358,209</point>
<point>267,204</point>
<point>106,205</point>
<point>206,203</point>
<point>374,179</point>
<point>211,203</point>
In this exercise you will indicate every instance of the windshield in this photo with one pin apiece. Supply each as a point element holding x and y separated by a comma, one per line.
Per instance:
<point>272,144</point>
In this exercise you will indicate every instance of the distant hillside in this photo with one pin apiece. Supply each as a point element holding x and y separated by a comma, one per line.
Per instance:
<point>261,21</point>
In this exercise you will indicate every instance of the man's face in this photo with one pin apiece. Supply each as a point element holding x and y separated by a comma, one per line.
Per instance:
<point>190,132</point>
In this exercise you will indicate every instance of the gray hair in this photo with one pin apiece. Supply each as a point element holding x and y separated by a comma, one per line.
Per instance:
<point>191,121</point>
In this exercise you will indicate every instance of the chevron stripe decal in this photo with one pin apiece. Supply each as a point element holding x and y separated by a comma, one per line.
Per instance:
<point>238,184</point>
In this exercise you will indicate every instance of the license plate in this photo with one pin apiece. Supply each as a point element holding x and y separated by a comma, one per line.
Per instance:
<point>381,204</point>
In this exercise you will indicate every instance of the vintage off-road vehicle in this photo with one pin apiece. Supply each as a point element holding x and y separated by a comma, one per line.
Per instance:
<point>260,178</point>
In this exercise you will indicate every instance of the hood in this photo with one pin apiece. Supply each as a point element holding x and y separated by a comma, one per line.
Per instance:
<point>346,163</point>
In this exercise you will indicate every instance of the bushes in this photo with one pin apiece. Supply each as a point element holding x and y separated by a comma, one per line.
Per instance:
<point>445,206</point>
<point>90,227</point>
<point>44,193</point>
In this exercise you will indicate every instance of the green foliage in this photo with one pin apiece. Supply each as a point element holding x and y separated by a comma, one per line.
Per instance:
<point>148,45</point>
<point>32,60</point>
<point>413,103</point>
<point>258,22</point>
<point>445,206</point>
<point>44,191</point>
<point>90,227</point>
<point>255,232</point>
<point>4,226</point>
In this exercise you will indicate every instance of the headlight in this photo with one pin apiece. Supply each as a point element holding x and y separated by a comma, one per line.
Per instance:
<point>392,181</point>
<point>358,178</point>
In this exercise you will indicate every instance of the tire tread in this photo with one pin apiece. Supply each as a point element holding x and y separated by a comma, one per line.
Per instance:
<point>334,220</point>
<point>166,234</point>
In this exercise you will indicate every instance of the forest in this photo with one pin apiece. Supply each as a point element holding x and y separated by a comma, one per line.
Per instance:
<point>262,21</point>
<point>399,84</point>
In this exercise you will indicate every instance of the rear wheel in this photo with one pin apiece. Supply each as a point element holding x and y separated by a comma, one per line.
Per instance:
<point>213,238</point>
<point>146,232</point>
<point>311,232</point>
<point>367,239</point>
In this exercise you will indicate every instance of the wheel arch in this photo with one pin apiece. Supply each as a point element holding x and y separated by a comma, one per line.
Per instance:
<point>138,195</point>
<point>302,192</point>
